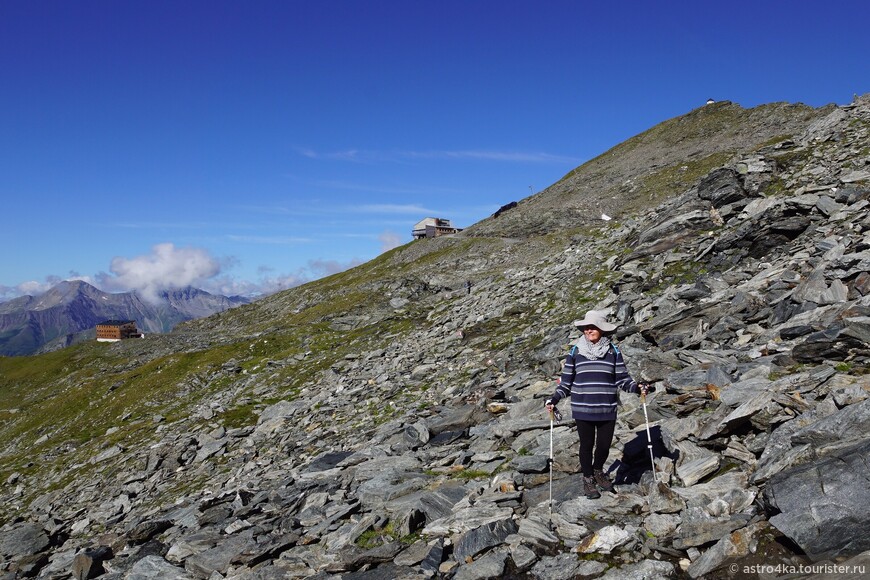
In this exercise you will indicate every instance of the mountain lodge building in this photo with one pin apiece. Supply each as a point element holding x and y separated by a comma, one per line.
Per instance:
<point>433,227</point>
<point>115,330</point>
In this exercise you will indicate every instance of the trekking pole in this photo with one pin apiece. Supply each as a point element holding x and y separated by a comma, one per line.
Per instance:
<point>648,436</point>
<point>554,414</point>
<point>550,501</point>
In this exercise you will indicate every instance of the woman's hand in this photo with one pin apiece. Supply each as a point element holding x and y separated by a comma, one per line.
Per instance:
<point>552,410</point>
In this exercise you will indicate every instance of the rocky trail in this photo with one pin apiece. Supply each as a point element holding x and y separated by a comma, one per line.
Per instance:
<point>745,299</point>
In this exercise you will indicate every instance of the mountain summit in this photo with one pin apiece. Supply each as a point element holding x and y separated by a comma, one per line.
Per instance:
<point>386,422</point>
<point>69,311</point>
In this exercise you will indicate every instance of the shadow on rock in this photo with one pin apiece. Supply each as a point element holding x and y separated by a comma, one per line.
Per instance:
<point>635,457</point>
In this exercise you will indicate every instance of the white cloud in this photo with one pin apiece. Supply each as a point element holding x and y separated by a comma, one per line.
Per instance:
<point>389,240</point>
<point>165,267</point>
<point>228,286</point>
<point>328,267</point>
<point>34,288</point>
<point>270,283</point>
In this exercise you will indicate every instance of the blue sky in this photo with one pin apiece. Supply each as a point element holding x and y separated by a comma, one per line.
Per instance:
<point>244,147</point>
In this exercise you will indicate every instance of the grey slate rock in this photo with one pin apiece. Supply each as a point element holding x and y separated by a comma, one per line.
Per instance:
<point>536,532</point>
<point>432,561</point>
<point>454,419</point>
<point>733,546</point>
<point>849,423</point>
<point>434,504</point>
<point>89,563</point>
<point>328,460</point>
<point>488,567</point>
<point>523,558</point>
<point>22,540</point>
<point>354,558</point>
<point>267,549</point>
<point>662,500</point>
<point>413,554</point>
<point>531,463</point>
<point>699,528</point>
<point>644,570</point>
<point>147,530</point>
<point>219,558</point>
<point>388,571</point>
<point>721,187</point>
<point>822,506</point>
<point>480,539</point>
<point>30,565</point>
<point>156,568</point>
<point>565,566</point>
<point>833,343</point>
<point>416,435</point>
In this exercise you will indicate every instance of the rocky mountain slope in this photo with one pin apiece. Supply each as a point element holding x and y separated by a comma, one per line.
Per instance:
<point>385,423</point>
<point>69,311</point>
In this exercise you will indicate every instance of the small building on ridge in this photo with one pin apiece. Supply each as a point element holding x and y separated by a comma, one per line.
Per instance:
<point>433,227</point>
<point>115,330</point>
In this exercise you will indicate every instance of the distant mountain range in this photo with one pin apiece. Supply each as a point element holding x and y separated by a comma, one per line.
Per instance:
<point>69,312</point>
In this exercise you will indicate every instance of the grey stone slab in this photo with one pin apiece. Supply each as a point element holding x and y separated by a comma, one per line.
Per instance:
<point>823,505</point>
<point>731,547</point>
<point>643,570</point>
<point>536,532</point>
<point>565,566</point>
<point>487,536</point>
<point>605,540</point>
<point>488,567</point>
<point>218,559</point>
<point>434,503</point>
<point>23,539</point>
<point>692,472</point>
<point>852,422</point>
<point>465,519</point>
<point>531,463</point>
<point>731,487</point>
<point>699,528</point>
<point>156,568</point>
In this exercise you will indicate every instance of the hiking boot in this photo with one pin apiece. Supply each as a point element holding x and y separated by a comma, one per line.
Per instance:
<point>602,481</point>
<point>590,489</point>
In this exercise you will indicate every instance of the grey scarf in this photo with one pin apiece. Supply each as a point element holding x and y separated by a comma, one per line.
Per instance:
<point>590,350</point>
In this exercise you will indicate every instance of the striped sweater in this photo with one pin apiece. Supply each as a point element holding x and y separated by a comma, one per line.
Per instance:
<point>593,384</point>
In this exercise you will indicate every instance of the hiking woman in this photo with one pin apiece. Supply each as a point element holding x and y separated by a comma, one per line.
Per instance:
<point>593,371</point>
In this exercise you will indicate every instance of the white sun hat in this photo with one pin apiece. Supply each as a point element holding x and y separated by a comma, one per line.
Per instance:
<point>596,318</point>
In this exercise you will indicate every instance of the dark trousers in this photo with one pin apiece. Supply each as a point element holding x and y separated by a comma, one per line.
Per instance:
<point>595,440</point>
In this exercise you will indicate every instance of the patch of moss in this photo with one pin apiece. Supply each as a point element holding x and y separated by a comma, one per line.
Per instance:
<point>775,140</point>
<point>792,159</point>
<point>468,474</point>
<point>377,537</point>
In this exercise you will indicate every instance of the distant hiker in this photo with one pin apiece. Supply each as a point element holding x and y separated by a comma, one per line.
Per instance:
<point>468,286</point>
<point>593,371</point>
